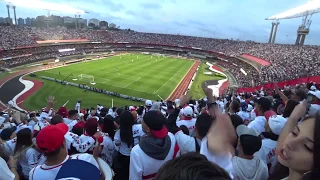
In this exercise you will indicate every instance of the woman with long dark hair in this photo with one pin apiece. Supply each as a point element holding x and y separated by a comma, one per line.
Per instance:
<point>107,144</point>
<point>298,146</point>
<point>26,153</point>
<point>125,138</point>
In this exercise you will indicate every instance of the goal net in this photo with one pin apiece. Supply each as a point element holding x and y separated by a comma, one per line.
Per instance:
<point>86,78</point>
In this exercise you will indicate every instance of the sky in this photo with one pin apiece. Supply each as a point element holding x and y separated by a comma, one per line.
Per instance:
<point>226,19</point>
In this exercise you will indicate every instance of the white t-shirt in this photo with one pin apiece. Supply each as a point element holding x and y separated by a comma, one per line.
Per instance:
<point>224,161</point>
<point>29,160</point>
<point>186,143</point>
<point>190,124</point>
<point>5,172</point>
<point>267,153</point>
<point>123,147</point>
<point>107,150</point>
<point>245,116</point>
<point>50,172</point>
<point>9,146</point>
<point>252,115</point>
<point>258,124</point>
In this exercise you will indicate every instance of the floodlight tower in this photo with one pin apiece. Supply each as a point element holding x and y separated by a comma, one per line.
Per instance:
<point>15,15</point>
<point>303,29</point>
<point>8,9</point>
<point>305,11</point>
<point>273,32</point>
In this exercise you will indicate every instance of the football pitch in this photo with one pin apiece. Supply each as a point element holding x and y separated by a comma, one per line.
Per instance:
<point>138,75</point>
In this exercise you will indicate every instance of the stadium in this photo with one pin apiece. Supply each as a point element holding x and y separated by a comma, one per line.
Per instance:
<point>107,70</point>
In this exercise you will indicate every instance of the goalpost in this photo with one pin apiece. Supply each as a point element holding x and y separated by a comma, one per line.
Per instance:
<point>86,78</point>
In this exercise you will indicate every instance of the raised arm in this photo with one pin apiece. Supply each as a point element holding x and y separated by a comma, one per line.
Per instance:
<point>299,112</point>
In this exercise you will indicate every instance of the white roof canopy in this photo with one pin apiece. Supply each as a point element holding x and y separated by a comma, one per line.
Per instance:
<point>303,10</point>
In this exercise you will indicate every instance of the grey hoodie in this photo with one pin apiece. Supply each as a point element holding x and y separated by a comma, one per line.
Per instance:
<point>254,169</point>
<point>156,148</point>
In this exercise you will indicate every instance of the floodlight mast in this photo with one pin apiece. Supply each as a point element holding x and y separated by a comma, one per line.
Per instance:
<point>306,11</point>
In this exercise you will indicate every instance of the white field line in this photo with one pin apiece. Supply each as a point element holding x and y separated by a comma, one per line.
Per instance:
<point>132,82</point>
<point>171,78</point>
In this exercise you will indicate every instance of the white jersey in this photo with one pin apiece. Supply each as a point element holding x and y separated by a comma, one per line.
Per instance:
<point>29,160</point>
<point>50,172</point>
<point>73,141</point>
<point>267,153</point>
<point>8,146</point>
<point>107,150</point>
<point>123,147</point>
<point>190,124</point>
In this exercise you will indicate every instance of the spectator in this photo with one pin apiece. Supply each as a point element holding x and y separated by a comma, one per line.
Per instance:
<point>263,105</point>
<point>192,144</point>
<point>27,155</point>
<point>298,145</point>
<point>51,142</point>
<point>191,166</point>
<point>153,150</point>
<point>267,153</point>
<point>187,120</point>
<point>245,165</point>
<point>125,139</point>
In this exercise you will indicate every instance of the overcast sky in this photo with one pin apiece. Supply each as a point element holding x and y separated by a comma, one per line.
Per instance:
<point>237,19</point>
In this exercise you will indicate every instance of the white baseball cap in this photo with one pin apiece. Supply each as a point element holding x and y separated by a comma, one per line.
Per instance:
<point>315,93</point>
<point>313,88</point>
<point>250,108</point>
<point>177,102</point>
<point>148,103</point>
<point>187,111</point>
<point>277,123</point>
<point>244,130</point>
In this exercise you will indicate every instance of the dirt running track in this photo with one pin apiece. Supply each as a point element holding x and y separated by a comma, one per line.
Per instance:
<point>182,87</point>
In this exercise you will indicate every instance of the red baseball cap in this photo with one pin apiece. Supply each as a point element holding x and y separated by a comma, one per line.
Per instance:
<point>155,120</point>
<point>51,138</point>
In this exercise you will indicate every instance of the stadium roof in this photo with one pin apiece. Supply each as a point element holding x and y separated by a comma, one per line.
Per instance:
<point>39,4</point>
<point>309,8</point>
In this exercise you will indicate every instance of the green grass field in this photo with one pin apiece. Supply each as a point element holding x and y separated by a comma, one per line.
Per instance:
<point>196,90</point>
<point>63,93</point>
<point>145,77</point>
<point>135,75</point>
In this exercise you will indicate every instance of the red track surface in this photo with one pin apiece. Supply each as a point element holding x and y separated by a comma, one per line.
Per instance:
<point>36,86</point>
<point>19,73</point>
<point>183,85</point>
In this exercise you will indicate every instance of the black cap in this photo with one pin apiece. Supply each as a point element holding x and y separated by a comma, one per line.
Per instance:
<point>6,133</point>
<point>155,120</point>
<point>250,144</point>
<point>264,103</point>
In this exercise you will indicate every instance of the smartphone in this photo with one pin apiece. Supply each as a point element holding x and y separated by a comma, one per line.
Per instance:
<point>309,98</point>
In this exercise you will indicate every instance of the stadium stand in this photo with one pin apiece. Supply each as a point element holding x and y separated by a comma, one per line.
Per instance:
<point>251,133</point>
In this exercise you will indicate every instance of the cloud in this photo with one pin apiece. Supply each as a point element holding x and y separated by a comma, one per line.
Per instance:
<point>151,5</point>
<point>235,19</point>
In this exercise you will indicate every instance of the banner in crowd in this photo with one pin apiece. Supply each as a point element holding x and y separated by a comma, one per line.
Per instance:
<point>292,82</point>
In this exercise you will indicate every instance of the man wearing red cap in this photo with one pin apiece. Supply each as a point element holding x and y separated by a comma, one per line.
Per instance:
<point>154,150</point>
<point>51,143</point>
